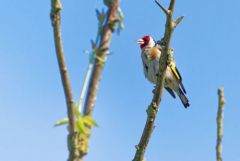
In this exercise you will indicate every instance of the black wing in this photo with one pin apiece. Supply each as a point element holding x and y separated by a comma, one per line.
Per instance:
<point>170,92</point>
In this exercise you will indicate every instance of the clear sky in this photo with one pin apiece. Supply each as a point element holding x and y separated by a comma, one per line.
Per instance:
<point>32,100</point>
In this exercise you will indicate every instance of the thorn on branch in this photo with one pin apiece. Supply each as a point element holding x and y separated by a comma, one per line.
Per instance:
<point>178,20</point>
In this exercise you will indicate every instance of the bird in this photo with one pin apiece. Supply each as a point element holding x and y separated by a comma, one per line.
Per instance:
<point>150,54</point>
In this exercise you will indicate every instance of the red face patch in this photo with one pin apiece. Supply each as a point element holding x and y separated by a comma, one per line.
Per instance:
<point>146,40</point>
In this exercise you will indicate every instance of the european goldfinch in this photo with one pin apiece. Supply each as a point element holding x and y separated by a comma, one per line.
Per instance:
<point>151,54</point>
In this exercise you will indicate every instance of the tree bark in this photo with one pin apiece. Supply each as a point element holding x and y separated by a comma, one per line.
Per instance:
<point>56,23</point>
<point>221,103</point>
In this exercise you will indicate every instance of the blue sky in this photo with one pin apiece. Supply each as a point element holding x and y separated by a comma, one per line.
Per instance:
<point>31,98</point>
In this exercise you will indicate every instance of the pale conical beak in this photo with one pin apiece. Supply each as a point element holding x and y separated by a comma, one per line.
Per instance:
<point>140,41</point>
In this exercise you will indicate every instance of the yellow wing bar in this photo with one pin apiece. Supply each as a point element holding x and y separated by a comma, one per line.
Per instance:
<point>175,71</point>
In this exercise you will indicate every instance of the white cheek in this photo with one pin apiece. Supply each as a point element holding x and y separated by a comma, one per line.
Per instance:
<point>151,43</point>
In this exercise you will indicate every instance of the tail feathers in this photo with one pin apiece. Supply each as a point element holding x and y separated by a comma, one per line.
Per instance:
<point>183,88</point>
<point>183,98</point>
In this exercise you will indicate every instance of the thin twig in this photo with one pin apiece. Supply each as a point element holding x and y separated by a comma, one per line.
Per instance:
<point>154,106</point>
<point>85,84</point>
<point>221,103</point>
<point>56,23</point>
<point>166,11</point>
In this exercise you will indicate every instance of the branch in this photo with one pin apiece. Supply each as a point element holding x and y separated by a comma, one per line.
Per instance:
<point>171,5</point>
<point>100,59</point>
<point>220,124</point>
<point>56,23</point>
<point>99,64</point>
<point>158,91</point>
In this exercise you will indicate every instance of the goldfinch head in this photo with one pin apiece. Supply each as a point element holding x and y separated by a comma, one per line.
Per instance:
<point>146,41</point>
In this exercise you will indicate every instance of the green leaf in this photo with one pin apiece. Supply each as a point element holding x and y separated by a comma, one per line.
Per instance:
<point>61,122</point>
<point>81,127</point>
<point>100,16</point>
<point>89,121</point>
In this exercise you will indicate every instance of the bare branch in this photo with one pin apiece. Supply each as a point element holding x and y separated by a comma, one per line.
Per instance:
<point>98,66</point>
<point>56,21</point>
<point>166,11</point>
<point>101,55</point>
<point>220,124</point>
<point>158,91</point>
<point>171,5</point>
